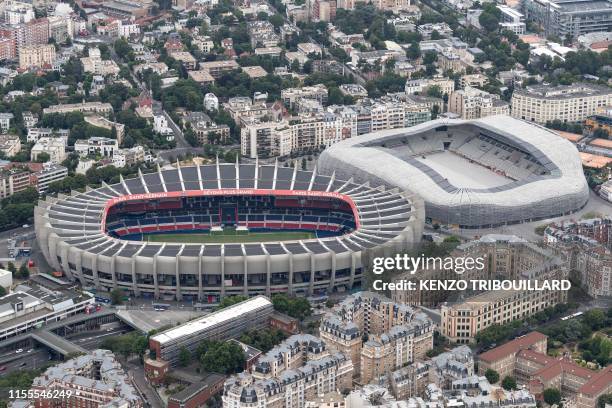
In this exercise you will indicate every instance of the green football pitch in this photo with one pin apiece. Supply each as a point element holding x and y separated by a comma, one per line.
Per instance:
<point>230,237</point>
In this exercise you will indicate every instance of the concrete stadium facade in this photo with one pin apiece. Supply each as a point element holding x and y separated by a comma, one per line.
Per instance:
<point>506,171</point>
<point>74,237</point>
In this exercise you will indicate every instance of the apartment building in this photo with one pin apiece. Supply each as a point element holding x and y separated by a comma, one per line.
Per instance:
<point>52,146</point>
<point>587,247</point>
<point>244,110</point>
<point>85,107</point>
<point>36,56</point>
<point>128,157</point>
<point>397,334</point>
<point>34,134</point>
<point>567,103</point>
<point>94,146</point>
<point>298,370</point>
<point>185,58</point>
<point>569,18</point>
<point>420,86</point>
<point>29,119</point>
<point>51,172</point>
<point>265,139</point>
<point>473,80</point>
<point>94,64</point>
<point>8,50</point>
<point>205,129</point>
<point>461,322</point>
<point>13,180</point>
<point>472,103</point>
<point>5,121</point>
<point>395,348</point>
<point>34,32</point>
<point>95,380</point>
<point>317,92</point>
<point>218,68</point>
<point>512,20</point>
<point>10,145</point>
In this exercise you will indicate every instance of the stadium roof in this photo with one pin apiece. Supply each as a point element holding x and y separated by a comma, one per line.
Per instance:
<point>547,181</point>
<point>381,215</point>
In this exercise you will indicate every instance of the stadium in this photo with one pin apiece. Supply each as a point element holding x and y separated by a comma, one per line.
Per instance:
<point>480,173</point>
<point>203,232</point>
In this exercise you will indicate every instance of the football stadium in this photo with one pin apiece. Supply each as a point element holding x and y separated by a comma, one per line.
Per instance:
<point>203,232</point>
<point>471,173</point>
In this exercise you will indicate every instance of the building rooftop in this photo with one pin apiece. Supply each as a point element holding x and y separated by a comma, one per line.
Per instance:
<point>512,347</point>
<point>209,381</point>
<point>212,319</point>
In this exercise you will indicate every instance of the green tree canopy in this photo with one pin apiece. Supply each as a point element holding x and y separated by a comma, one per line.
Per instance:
<point>492,376</point>
<point>509,383</point>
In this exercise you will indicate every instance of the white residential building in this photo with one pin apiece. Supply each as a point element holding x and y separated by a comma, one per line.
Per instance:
<point>160,125</point>
<point>420,86</point>
<point>54,147</point>
<point>34,134</point>
<point>567,103</point>
<point>211,102</point>
<point>512,20</point>
<point>95,146</point>
<point>128,157</point>
<point>29,120</point>
<point>5,121</point>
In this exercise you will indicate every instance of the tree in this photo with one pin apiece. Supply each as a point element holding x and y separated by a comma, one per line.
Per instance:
<point>488,21</point>
<point>223,357</point>
<point>184,357</point>
<point>594,318</point>
<point>23,272</point>
<point>509,383</point>
<point>552,396</point>
<point>2,291</point>
<point>11,267</point>
<point>295,307</point>
<point>276,20</point>
<point>604,400</point>
<point>492,376</point>
<point>435,112</point>
<point>295,65</point>
<point>42,157</point>
<point>231,300</point>
<point>116,296</point>
<point>414,51</point>
<point>434,91</point>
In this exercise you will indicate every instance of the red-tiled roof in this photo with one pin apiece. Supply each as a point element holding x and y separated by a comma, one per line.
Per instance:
<point>512,347</point>
<point>536,357</point>
<point>599,383</point>
<point>564,366</point>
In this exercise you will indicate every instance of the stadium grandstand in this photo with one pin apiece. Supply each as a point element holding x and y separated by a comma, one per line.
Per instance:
<point>479,173</point>
<point>203,232</point>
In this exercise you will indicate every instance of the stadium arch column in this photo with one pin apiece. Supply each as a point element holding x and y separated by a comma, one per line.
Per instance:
<point>155,280</point>
<point>268,271</point>
<point>245,286</point>
<point>179,293</point>
<point>200,289</point>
